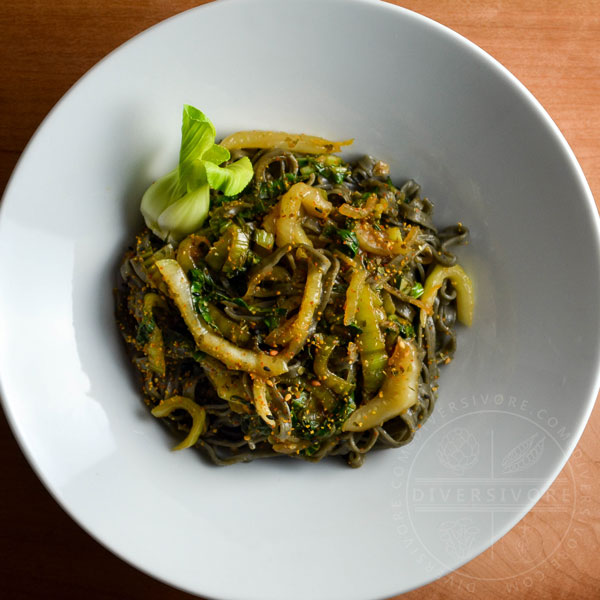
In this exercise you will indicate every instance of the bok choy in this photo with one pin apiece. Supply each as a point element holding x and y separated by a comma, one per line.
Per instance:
<point>177,204</point>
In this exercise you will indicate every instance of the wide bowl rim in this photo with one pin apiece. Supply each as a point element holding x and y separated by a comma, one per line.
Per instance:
<point>492,63</point>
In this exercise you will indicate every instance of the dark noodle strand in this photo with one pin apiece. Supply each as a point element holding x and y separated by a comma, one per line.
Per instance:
<point>273,298</point>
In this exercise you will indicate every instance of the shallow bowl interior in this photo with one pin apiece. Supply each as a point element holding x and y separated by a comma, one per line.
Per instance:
<point>438,110</point>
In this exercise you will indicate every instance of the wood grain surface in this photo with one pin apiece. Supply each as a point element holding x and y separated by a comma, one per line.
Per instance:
<point>552,46</point>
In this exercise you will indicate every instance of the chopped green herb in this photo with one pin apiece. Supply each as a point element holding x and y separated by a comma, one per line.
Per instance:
<point>198,355</point>
<point>276,187</point>
<point>312,450</point>
<point>347,241</point>
<point>201,286</point>
<point>330,167</point>
<point>144,330</point>
<point>252,259</point>
<point>201,306</point>
<point>417,290</point>
<point>314,424</point>
<point>338,174</point>
<point>201,281</point>
<point>218,225</point>
<point>238,301</point>
<point>259,207</point>
<point>272,321</point>
<point>407,331</point>
<point>354,329</point>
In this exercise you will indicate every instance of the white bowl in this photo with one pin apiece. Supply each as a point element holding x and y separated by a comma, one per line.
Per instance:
<point>512,406</point>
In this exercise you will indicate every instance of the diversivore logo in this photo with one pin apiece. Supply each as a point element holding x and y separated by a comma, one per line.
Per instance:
<point>481,462</point>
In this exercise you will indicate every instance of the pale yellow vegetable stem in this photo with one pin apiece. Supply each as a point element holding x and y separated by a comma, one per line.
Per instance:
<point>310,302</point>
<point>464,291</point>
<point>398,393</point>
<point>259,391</point>
<point>232,356</point>
<point>295,331</point>
<point>198,414</point>
<point>297,142</point>
<point>314,200</point>
<point>323,350</point>
<point>288,228</point>
<point>357,282</point>
<point>154,347</point>
<point>371,342</point>
<point>188,251</point>
<point>229,385</point>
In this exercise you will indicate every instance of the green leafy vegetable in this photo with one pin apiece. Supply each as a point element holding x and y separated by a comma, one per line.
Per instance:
<point>354,329</point>
<point>144,330</point>
<point>200,285</point>
<point>276,187</point>
<point>348,243</point>
<point>218,225</point>
<point>231,179</point>
<point>312,421</point>
<point>331,167</point>
<point>407,331</point>
<point>177,204</point>
<point>201,281</point>
<point>272,320</point>
<point>204,290</point>
<point>417,290</point>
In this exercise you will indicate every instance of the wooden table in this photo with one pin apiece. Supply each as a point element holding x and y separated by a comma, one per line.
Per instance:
<point>552,46</point>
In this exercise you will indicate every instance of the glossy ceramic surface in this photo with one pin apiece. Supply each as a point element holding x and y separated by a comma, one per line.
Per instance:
<point>511,406</point>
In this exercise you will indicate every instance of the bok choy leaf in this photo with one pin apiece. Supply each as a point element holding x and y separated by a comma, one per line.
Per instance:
<point>177,204</point>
